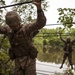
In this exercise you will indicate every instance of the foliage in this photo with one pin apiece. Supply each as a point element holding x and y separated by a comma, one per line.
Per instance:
<point>28,11</point>
<point>52,49</point>
<point>47,42</point>
<point>5,67</point>
<point>2,2</point>
<point>66,17</point>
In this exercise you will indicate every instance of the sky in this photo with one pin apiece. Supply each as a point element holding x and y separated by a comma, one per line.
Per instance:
<point>52,18</point>
<point>52,13</point>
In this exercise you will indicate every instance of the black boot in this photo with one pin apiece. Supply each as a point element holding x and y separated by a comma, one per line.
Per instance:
<point>71,66</point>
<point>61,66</point>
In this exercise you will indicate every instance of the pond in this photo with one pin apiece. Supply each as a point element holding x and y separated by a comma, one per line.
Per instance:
<point>49,63</point>
<point>44,68</point>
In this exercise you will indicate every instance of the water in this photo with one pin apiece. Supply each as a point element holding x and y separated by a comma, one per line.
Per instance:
<point>44,68</point>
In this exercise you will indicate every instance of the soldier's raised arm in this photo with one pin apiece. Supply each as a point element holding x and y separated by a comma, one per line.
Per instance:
<point>3,29</point>
<point>73,41</point>
<point>35,33</point>
<point>41,19</point>
<point>61,38</point>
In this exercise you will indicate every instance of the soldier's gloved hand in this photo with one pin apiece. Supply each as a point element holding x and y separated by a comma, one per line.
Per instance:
<point>37,3</point>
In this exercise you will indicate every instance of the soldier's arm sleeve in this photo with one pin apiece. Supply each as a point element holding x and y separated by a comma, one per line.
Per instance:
<point>3,29</point>
<point>35,33</point>
<point>62,38</point>
<point>73,41</point>
<point>40,22</point>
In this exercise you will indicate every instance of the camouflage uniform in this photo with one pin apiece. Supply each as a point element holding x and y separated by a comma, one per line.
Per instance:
<point>21,44</point>
<point>67,51</point>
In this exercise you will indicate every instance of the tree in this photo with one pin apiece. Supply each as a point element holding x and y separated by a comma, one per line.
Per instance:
<point>28,11</point>
<point>66,17</point>
<point>2,2</point>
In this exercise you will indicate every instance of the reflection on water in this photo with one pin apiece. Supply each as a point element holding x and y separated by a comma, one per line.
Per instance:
<point>48,68</point>
<point>50,58</point>
<point>48,62</point>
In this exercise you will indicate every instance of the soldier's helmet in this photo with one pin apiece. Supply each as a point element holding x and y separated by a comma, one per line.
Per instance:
<point>12,17</point>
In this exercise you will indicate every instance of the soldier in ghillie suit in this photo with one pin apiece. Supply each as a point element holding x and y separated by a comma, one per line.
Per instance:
<point>67,51</point>
<point>22,49</point>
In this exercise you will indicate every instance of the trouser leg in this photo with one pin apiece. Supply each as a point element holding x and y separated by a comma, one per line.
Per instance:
<point>64,58</point>
<point>18,69</point>
<point>70,60</point>
<point>29,69</point>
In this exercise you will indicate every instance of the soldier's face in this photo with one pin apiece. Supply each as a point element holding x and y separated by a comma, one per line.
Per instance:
<point>13,20</point>
<point>14,26</point>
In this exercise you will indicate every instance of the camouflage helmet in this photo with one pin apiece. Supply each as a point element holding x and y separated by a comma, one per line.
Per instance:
<point>12,17</point>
